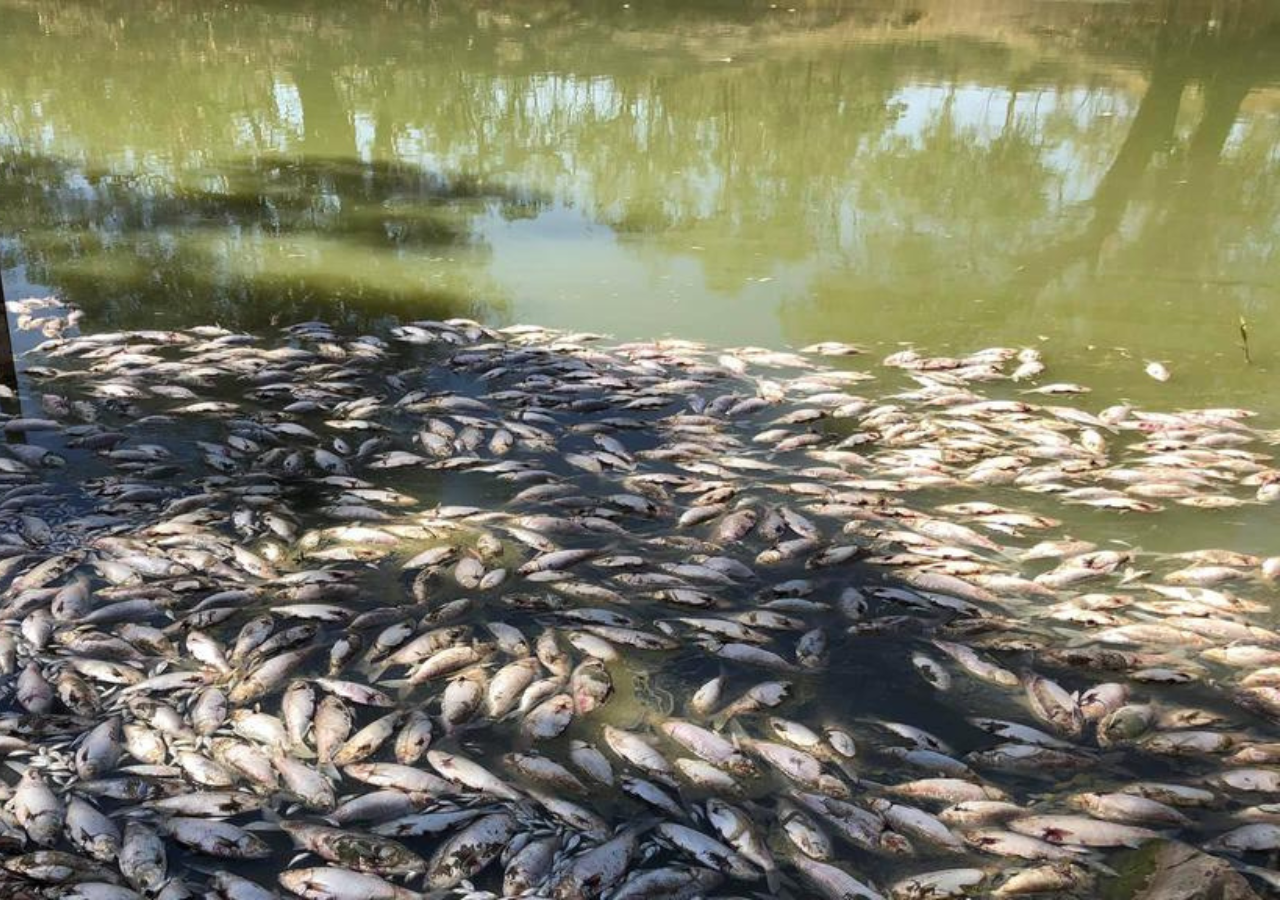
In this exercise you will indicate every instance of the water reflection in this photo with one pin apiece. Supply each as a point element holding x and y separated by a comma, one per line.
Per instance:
<point>877,173</point>
<point>256,241</point>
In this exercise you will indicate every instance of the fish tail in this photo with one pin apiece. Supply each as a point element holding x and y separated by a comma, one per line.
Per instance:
<point>773,878</point>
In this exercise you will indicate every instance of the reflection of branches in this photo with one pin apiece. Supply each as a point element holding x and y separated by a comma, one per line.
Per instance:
<point>1182,222</point>
<point>121,248</point>
<point>1227,74</point>
<point>796,153</point>
<point>1151,129</point>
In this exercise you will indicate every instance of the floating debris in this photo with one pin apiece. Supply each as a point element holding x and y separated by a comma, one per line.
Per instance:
<point>514,612</point>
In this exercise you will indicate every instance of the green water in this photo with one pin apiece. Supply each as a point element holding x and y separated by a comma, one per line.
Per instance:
<point>1100,179</point>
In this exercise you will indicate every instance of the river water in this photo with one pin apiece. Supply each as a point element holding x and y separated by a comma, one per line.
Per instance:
<point>1097,180</point>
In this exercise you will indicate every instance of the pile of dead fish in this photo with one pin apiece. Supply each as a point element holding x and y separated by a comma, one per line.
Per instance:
<point>474,612</point>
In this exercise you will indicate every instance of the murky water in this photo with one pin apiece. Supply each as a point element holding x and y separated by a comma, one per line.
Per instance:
<point>1097,180</point>
<point>1099,177</point>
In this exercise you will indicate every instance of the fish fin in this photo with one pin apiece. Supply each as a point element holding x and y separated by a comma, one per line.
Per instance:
<point>848,769</point>
<point>371,668</point>
<point>785,881</point>
<point>401,686</point>
<point>773,878</point>
<point>270,816</point>
<point>643,824</point>
<point>301,751</point>
<point>261,826</point>
<point>1098,866</point>
<point>203,868</point>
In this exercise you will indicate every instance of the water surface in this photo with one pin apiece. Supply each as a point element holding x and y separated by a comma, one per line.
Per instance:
<point>1099,179</point>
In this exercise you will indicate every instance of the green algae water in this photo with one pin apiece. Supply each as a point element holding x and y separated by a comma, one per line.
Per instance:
<point>1100,180</point>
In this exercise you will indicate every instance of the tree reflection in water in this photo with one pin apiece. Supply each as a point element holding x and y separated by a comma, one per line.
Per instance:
<point>898,170</point>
